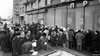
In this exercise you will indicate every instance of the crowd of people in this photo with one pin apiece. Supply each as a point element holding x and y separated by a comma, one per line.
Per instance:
<point>23,39</point>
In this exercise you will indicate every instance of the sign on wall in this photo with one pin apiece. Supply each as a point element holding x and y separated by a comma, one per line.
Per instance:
<point>72,5</point>
<point>85,3</point>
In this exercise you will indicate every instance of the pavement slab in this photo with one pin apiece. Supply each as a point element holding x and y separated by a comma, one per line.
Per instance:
<point>52,51</point>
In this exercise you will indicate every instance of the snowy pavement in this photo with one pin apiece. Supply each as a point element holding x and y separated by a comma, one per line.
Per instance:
<point>52,51</point>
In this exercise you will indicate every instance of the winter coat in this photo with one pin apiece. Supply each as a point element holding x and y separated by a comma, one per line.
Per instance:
<point>16,45</point>
<point>38,36</point>
<point>42,42</point>
<point>88,39</point>
<point>5,43</point>
<point>70,35</point>
<point>53,40</point>
<point>61,39</point>
<point>79,37</point>
<point>26,47</point>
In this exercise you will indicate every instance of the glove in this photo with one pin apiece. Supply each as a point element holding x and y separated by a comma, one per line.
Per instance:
<point>45,43</point>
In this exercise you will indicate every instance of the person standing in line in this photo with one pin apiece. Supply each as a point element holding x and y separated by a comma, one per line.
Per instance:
<point>67,38</point>
<point>16,44</point>
<point>42,42</point>
<point>71,36</point>
<point>12,35</point>
<point>61,38</point>
<point>39,34</point>
<point>4,41</point>
<point>53,38</point>
<point>79,37</point>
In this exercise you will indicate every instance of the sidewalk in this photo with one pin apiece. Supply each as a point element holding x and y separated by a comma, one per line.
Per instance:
<point>72,52</point>
<point>53,50</point>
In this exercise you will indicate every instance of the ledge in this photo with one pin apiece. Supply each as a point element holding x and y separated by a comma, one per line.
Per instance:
<point>30,1</point>
<point>26,3</point>
<point>52,6</point>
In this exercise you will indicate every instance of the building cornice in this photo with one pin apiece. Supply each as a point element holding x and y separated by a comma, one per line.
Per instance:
<point>29,1</point>
<point>51,6</point>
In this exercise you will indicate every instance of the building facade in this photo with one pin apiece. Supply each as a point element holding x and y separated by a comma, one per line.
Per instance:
<point>16,11</point>
<point>22,13</point>
<point>84,14</point>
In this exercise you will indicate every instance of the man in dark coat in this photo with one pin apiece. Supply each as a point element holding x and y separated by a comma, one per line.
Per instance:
<point>12,36</point>
<point>42,42</point>
<point>53,38</point>
<point>71,36</point>
<point>16,44</point>
<point>4,42</point>
<point>39,34</point>
<point>95,46</point>
<point>33,29</point>
<point>88,39</point>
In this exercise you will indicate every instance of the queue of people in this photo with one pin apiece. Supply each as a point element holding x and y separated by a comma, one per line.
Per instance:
<point>34,37</point>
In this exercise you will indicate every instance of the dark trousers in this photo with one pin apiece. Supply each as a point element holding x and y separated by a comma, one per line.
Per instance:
<point>70,44</point>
